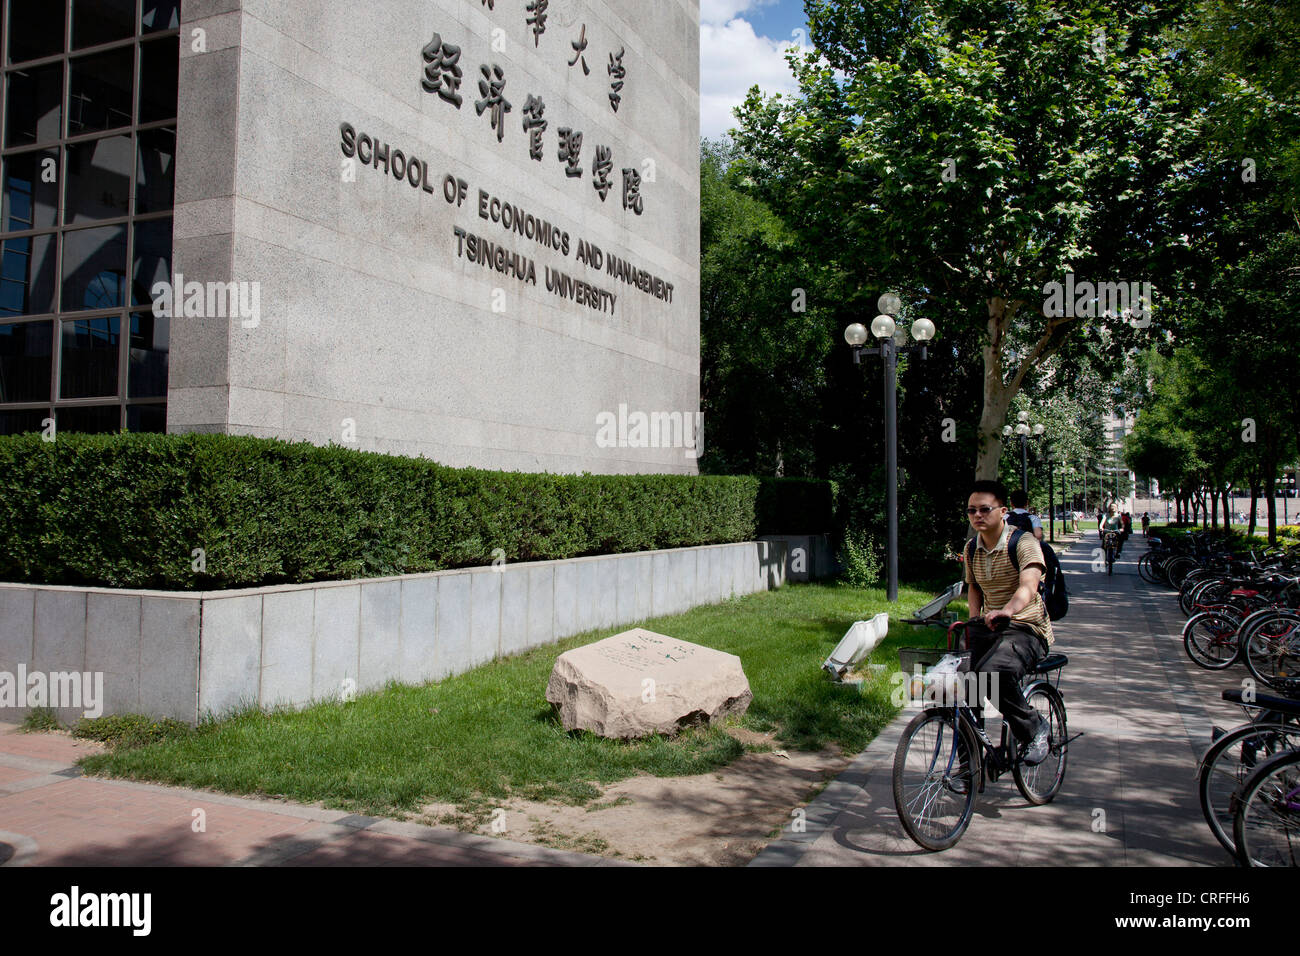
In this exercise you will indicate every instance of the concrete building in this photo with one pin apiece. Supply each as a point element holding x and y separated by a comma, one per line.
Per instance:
<point>462,229</point>
<point>1120,484</point>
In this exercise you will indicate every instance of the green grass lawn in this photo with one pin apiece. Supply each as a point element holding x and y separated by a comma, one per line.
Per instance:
<point>490,733</point>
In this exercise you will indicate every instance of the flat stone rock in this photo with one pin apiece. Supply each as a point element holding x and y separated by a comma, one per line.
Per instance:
<point>638,683</point>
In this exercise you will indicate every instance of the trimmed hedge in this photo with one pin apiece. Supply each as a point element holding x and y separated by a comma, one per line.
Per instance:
<point>129,510</point>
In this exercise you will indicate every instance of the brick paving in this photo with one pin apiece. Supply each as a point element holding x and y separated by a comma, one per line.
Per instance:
<point>52,816</point>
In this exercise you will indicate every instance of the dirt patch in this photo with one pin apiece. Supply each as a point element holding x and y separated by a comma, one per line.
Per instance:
<point>722,818</point>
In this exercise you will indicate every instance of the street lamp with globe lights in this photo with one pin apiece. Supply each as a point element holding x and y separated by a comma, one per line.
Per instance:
<point>1024,430</point>
<point>893,339</point>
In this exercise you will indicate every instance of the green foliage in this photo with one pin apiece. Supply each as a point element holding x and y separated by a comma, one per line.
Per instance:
<point>1224,410</point>
<point>862,559</point>
<point>39,720</point>
<point>130,730</point>
<point>796,505</point>
<point>764,336</point>
<point>964,154</point>
<point>130,511</point>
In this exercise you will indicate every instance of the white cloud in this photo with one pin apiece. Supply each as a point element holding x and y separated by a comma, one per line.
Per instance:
<point>721,11</point>
<point>732,59</point>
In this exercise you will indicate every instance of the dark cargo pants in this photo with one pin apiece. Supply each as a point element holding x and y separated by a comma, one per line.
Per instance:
<point>1009,653</point>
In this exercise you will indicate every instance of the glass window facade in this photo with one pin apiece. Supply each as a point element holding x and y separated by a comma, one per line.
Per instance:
<point>87,170</point>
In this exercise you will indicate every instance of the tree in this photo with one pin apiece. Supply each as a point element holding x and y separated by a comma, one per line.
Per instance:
<point>762,346</point>
<point>1236,295</point>
<point>966,154</point>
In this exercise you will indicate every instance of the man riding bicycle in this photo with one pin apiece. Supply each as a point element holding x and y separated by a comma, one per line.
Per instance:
<point>1016,632</point>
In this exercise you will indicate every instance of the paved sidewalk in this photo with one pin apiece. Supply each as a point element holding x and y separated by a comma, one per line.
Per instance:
<point>52,816</point>
<point>1129,796</point>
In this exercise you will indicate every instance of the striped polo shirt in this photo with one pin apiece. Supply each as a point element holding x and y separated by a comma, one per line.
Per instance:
<point>998,579</point>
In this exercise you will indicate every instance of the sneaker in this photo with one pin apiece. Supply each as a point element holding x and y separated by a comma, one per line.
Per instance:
<point>958,782</point>
<point>1036,751</point>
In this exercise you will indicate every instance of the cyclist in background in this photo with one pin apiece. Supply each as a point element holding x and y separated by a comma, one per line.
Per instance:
<point>1020,517</point>
<point>1112,523</point>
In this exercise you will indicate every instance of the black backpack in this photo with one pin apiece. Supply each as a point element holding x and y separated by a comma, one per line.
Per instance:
<point>1018,520</point>
<point>1052,587</point>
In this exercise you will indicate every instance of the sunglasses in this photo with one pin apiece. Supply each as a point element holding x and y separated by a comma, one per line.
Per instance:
<point>982,509</point>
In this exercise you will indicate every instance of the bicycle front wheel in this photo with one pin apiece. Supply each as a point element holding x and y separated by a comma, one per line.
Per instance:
<point>1266,828</point>
<point>1041,782</point>
<point>934,779</point>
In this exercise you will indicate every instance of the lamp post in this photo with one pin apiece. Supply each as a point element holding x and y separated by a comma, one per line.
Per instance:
<point>892,341</point>
<point>1066,470</point>
<point>1024,430</point>
<point>1051,510</point>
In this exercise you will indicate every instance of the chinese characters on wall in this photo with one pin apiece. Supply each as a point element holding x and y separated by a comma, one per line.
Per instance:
<point>443,75</point>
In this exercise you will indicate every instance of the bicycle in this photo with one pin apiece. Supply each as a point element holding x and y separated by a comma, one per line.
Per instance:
<point>944,757</point>
<point>1270,647</point>
<point>1266,828</point>
<point>1110,542</point>
<point>1246,625</point>
<point>1233,755</point>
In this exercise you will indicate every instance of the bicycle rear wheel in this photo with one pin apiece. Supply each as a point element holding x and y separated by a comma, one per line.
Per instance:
<point>1210,639</point>
<point>1179,568</point>
<point>1197,595</point>
<point>1272,651</point>
<point>1041,782</point>
<point>1266,828</point>
<point>934,779</point>
<point>1226,765</point>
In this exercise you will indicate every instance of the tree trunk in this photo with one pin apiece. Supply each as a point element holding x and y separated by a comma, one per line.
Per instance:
<point>997,396</point>
<point>1270,480</point>
<point>1227,505</point>
<point>1214,509</point>
<point>1254,503</point>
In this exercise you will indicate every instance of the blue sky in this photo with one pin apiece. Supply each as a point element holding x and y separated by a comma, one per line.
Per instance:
<point>741,44</point>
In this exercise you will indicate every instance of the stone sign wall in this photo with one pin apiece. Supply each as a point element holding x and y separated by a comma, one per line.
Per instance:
<point>472,227</point>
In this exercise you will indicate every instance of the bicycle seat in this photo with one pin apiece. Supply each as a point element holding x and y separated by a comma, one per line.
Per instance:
<point>1050,663</point>
<point>1285,705</point>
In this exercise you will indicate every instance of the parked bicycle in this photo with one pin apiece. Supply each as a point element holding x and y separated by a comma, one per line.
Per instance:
<point>1273,729</point>
<point>1260,624</point>
<point>1266,827</point>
